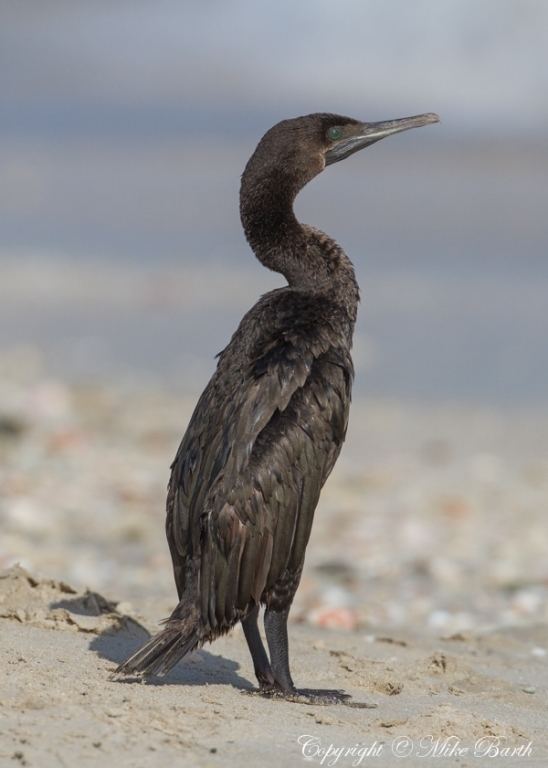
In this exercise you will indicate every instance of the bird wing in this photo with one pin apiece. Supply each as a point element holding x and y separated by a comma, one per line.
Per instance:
<point>247,477</point>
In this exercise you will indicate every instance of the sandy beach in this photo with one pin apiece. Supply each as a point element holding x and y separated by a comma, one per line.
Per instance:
<point>424,592</point>
<point>424,697</point>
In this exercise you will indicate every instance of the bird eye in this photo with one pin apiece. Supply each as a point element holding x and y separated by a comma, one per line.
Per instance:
<point>334,133</point>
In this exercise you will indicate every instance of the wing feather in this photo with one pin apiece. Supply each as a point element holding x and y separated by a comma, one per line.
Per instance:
<point>247,476</point>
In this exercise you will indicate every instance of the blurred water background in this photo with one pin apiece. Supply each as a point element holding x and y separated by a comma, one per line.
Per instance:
<point>125,127</point>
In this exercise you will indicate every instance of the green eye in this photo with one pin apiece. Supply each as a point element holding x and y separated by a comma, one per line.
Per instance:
<point>334,133</point>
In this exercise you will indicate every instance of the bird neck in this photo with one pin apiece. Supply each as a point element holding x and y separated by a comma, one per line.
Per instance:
<point>308,258</point>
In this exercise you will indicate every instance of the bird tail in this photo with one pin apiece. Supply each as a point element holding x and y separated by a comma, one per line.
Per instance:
<point>164,650</point>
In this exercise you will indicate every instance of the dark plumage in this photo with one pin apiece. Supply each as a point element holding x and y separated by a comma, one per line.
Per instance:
<point>270,424</point>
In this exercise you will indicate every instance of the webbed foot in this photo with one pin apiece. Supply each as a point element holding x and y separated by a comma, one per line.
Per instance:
<point>319,697</point>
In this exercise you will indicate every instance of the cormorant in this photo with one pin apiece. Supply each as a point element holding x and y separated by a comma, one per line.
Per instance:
<point>269,426</point>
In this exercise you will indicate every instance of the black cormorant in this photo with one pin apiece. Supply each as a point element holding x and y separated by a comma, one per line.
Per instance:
<point>269,426</point>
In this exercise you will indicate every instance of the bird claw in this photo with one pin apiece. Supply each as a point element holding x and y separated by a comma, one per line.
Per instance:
<point>319,697</point>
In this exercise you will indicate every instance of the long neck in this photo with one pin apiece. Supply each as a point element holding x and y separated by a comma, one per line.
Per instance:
<point>306,257</point>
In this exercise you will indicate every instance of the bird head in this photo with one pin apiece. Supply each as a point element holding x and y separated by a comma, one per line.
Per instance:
<point>300,148</point>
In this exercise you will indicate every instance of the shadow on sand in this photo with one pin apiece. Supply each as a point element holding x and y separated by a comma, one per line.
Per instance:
<point>198,668</point>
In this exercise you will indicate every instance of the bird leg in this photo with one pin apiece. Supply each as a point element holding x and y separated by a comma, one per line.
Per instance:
<point>275,623</point>
<point>275,678</point>
<point>275,626</point>
<point>263,671</point>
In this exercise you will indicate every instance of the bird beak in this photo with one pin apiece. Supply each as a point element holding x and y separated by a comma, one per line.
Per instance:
<point>365,134</point>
